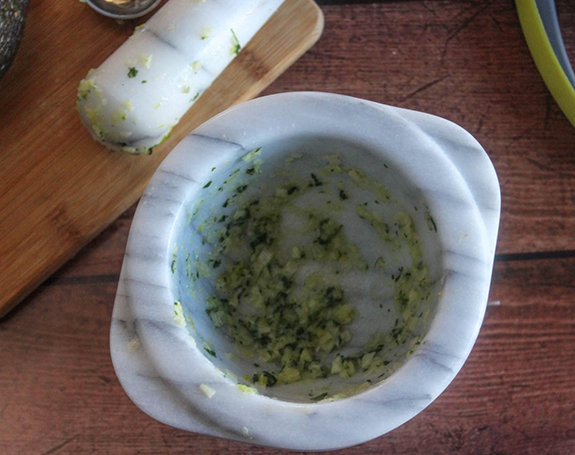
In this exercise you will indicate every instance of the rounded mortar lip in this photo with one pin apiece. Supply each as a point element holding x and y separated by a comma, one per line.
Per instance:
<point>371,413</point>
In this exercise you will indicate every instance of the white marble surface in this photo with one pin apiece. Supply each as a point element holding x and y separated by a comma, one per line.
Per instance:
<point>135,97</point>
<point>161,369</point>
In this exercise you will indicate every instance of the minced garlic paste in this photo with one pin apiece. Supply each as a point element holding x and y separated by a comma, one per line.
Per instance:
<point>278,292</point>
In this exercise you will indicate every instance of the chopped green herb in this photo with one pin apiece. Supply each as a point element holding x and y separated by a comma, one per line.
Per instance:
<point>132,72</point>
<point>265,379</point>
<point>342,195</point>
<point>430,222</point>
<point>207,184</point>
<point>235,43</point>
<point>320,397</point>
<point>251,154</point>
<point>211,352</point>
<point>316,181</point>
<point>143,82</point>
<point>213,169</point>
<point>379,263</point>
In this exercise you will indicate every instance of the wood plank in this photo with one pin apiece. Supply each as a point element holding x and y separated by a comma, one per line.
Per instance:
<point>59,187</point>
<point>514,395</point>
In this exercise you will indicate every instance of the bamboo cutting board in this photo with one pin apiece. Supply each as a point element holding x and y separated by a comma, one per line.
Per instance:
<point>58,187</point>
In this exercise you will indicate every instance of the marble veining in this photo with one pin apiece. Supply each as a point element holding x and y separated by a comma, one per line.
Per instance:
<point>162,369</point>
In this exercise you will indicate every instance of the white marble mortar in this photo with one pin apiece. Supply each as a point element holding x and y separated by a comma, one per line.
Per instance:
<point>161,368</point>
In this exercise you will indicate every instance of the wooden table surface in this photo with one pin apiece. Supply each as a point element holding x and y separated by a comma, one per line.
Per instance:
<point>463,60</point>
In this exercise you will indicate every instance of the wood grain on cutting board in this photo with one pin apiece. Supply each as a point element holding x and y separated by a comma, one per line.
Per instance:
<point>58,187</point>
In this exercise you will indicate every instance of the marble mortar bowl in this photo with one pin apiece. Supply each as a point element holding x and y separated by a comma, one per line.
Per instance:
<point>183,371</point>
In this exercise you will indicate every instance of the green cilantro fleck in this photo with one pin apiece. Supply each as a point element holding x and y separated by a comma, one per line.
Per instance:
<point>316,181</point>
<point>235,43</point>
<point>432,221</point>
<point>251,155</point>
<point>208,184</point>
<point>132,72</point>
